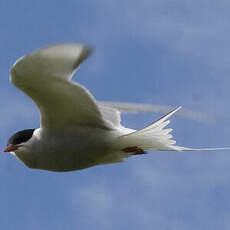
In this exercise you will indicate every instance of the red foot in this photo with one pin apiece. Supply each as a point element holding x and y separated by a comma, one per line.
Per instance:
<point>134,150</point>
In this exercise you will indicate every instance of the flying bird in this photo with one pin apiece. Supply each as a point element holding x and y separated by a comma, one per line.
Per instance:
<point>76,132</point>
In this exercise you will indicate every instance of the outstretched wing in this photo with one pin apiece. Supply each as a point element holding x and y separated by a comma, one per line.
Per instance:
<point>128,107</point>
<point>45,76</point>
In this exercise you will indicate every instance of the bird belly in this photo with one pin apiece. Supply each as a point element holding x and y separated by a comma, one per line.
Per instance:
<point>82,150</point>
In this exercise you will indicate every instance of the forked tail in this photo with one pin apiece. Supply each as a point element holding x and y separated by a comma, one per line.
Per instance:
<point>155,137</point>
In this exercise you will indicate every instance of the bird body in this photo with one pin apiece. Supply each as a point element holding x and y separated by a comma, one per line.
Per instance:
<point>76,131</point>
<point>75,149</point>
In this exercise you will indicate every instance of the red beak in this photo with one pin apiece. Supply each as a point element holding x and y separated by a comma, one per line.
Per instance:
<point>10,148</point>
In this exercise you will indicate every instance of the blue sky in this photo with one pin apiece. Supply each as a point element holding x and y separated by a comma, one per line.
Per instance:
<point>160,52</point>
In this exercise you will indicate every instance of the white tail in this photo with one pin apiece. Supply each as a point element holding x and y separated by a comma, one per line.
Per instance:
<point>155,137</point>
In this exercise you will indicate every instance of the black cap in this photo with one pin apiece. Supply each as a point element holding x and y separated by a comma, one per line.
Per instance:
<point>20,137</point>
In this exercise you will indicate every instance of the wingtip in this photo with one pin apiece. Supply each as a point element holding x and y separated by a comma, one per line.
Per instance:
<point>85,53</point>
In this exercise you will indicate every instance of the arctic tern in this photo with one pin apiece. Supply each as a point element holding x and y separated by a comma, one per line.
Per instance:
<point>76,131</point>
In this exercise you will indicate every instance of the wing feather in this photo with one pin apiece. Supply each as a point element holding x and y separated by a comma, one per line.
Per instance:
<point>45,76</point>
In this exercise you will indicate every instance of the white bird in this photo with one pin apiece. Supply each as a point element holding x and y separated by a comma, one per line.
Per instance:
<point>76,132</point>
